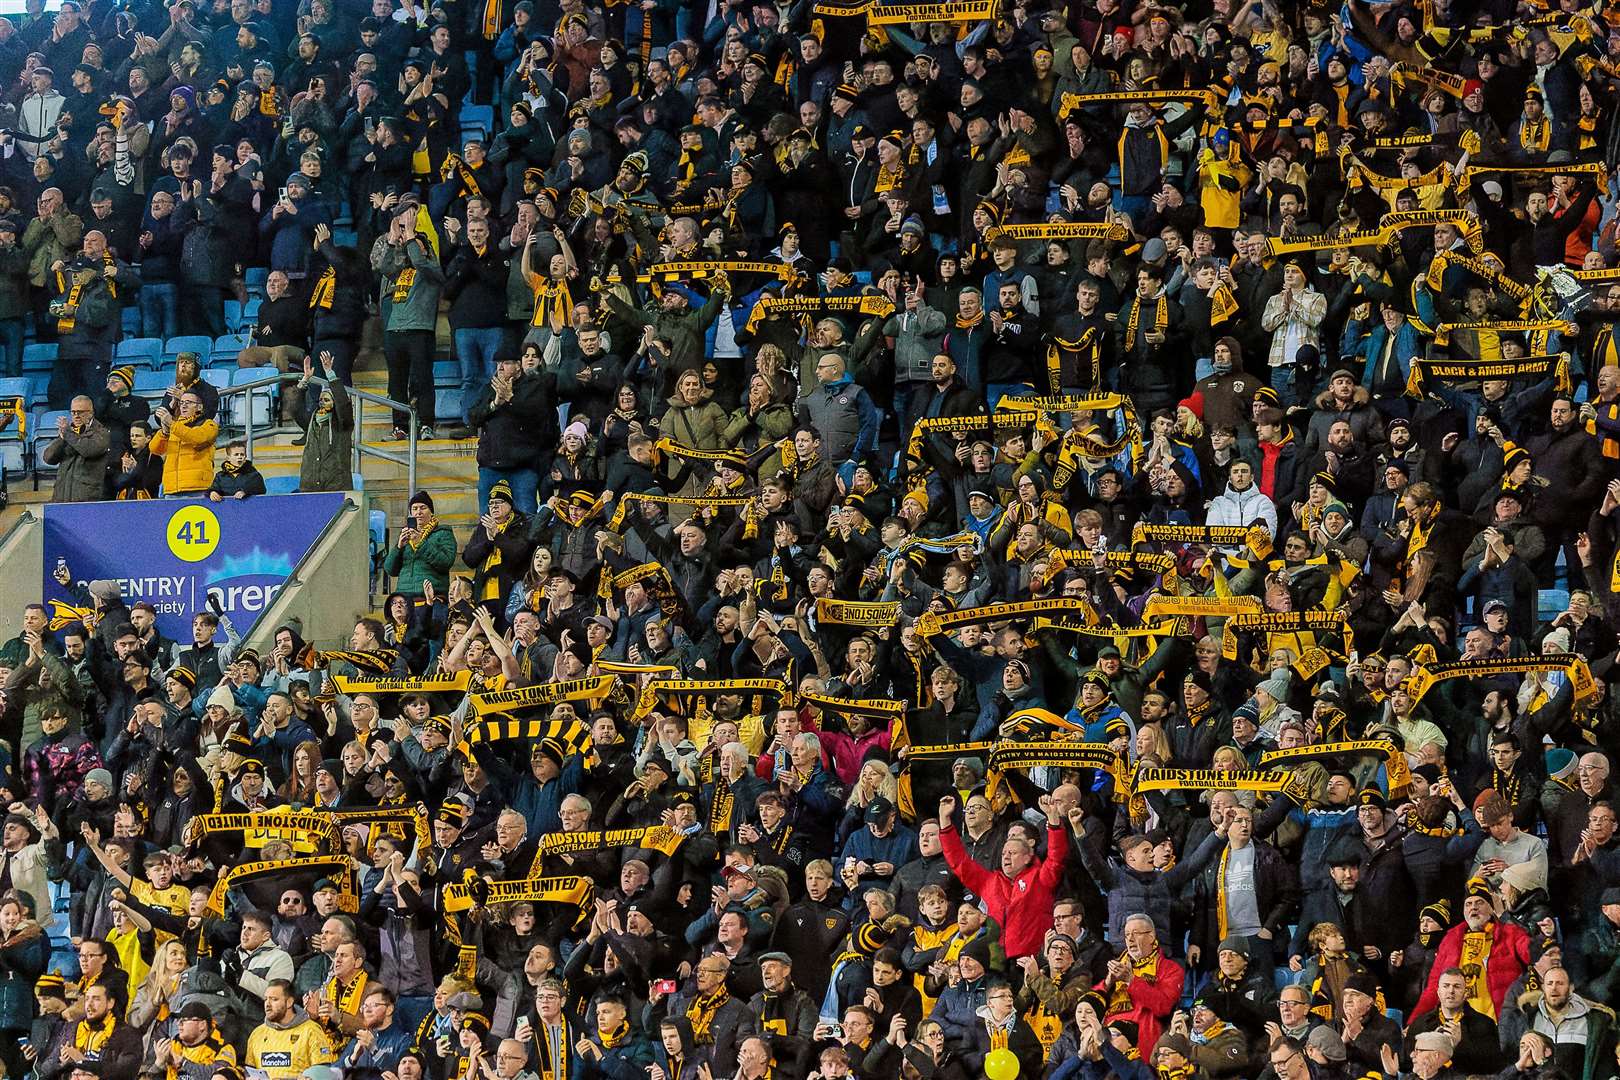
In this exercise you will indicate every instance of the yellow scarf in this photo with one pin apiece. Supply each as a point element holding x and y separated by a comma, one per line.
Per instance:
<point>969,324</point>
<point>422,534</point>
<point>888,178</point>
<point>613,1038</point>
<point>403,284</point>
<point>492,563</point>
<point>346,999</point>
<point>1475,955</point>
<point>1119,999</point>
<point>320,297</point>
<point>92,1037</point>
<point>65,324</point>
<point>1161,318</point>
<point>1534,135</point>
<point>556,1045</point>
<point>1047,1025</point>
<point>701,1013</point>
<point>552,303</point>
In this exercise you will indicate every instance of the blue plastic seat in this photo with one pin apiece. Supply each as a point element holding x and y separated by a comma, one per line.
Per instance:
<point>476,118</point>
<point>262,399</point>
<point>40,356</point>
<point>140,351</point>
<point>40,432</point>
<point>151,384</point>
<point>280,485</point>
<point>446,373</point>
<point>225,348</point>
<point>201,344</point>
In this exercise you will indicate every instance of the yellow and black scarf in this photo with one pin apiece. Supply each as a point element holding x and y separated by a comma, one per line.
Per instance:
<point>421,534</point>
<point>1534,135</point>
<point>403,284</point>
<point>320,297</point>
<point>92,1037</point>
<point>552,303</point>
<point>1161,318</point>
<point>701,1013</point>
<point>611,1039</point>
<point>556,1044</point>
<point>66,323</point>
<point>346,999</point>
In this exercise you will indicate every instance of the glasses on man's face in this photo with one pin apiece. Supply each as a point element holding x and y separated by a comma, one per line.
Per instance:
<point>1289,1003</point>
<point>1283,1064</point>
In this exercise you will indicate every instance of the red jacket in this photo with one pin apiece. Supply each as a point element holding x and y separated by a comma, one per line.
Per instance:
<point>1152,1002</point>
<point>1510,955</point>
<point>1021,906</point>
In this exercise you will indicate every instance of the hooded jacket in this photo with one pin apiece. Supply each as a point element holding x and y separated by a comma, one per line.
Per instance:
<point>1234,507</point>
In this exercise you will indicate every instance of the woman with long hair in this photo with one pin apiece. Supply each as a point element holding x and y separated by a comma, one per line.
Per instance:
<point>25,951</point>
<point>299,787</point>
<point>151,1006</point>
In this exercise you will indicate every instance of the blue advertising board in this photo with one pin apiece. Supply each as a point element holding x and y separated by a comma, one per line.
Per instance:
<point>173,552</point>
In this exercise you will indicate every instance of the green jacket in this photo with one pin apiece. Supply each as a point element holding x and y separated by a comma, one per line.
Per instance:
<point>429,560</point>
<point>328,459</point>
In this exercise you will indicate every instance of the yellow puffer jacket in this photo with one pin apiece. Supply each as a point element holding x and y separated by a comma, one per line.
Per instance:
<point>188,456</point>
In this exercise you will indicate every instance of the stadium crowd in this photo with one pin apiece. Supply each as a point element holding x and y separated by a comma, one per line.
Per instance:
<point>1059,542</point>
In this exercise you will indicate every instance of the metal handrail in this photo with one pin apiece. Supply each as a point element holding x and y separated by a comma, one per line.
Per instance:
<point>407,459</point>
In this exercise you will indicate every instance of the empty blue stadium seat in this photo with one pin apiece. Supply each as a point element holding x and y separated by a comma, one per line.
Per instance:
<point>140,351</point>
<point>262,399</point>
<point>201,344</point>
<point>479,118</point>
<point>152,384</point>
<point>40,356</point>
<point>226,348</point>
<point>280,485</point>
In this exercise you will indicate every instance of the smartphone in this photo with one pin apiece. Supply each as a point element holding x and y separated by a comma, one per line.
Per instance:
<point>283,195</point>
<point>61,563</point>
<point>665,986</point>
<point>371,124</point>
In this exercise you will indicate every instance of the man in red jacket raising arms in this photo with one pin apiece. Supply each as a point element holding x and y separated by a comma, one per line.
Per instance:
<point>1019,897</point>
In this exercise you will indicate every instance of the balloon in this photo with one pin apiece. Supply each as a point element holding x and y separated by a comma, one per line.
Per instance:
<point>1001,1065</point>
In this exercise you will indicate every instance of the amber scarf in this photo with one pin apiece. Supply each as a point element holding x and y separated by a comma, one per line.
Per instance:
<point>320,297</point>
<point>1161,318</point>
<point>702,1012</point>
<point>552,303</point>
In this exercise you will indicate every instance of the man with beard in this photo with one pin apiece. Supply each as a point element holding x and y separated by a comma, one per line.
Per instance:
<point>1490,953</point>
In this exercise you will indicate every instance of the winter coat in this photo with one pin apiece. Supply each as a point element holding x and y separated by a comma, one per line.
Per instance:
<point>188,456</point>
<point>81,463</point>
<point>1019,905</point>
<point>1242,508</point>
<point>327,463</point>
<point>1152,893</point>
<point>1510,955</point>
<point>515,434</point>
<point>23,958</point>
<point>698,426</point>
<point>429,559</point>
<point>1365,423</point>
<point>1276,887</point>
<point>1573,466</point>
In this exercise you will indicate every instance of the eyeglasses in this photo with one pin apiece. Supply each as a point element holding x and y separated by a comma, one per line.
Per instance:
<point>1289,1003</point>
<point>1283,1064</point>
